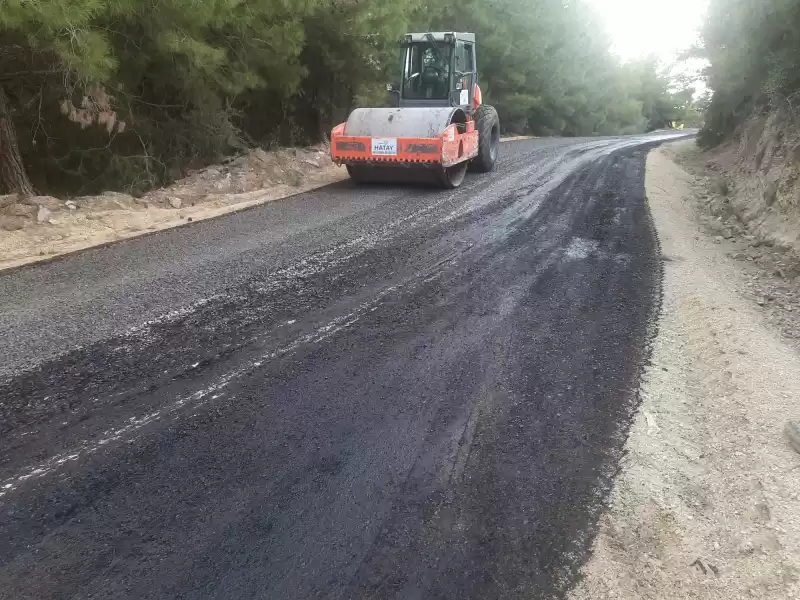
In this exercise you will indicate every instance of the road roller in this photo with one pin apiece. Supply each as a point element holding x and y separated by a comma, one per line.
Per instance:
<point>440,127</point>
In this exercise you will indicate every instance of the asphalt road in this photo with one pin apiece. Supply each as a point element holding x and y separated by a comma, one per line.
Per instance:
<point>353,393</point>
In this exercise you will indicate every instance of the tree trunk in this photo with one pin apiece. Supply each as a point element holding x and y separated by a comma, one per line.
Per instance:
<point>13,178</point>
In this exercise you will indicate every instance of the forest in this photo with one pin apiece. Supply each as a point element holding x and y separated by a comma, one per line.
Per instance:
<point>127,95</point>
<point>753,52</point>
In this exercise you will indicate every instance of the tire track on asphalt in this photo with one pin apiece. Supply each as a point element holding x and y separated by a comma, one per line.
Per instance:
<point>516,208</point>
<point>445,417</point>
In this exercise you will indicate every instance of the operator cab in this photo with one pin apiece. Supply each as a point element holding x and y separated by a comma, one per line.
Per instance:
<point>438,69</point>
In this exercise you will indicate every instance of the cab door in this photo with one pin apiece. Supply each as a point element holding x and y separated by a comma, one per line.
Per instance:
<point>464,64</point>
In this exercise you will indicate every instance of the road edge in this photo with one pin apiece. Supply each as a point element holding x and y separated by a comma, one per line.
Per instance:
<point>705,504</point>
<point>36,260</point>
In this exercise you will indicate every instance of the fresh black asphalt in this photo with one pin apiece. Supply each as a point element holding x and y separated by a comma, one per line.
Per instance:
<point>376,392</point>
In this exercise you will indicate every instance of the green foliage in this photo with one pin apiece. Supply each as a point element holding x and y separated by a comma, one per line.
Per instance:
<point>753,47</point>
<point>547,68</point>
<point>173,71</point>
<point>127,93</point>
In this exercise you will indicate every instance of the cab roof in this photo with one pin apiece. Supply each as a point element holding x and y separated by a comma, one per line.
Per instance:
<point>439,36</point>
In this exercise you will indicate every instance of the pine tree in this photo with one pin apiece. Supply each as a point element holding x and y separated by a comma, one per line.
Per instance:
<point>42,44</point>
<point>127,93</point>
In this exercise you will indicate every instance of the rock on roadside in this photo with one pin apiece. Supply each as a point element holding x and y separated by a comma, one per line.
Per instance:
<point>43,215</point>
<point>49,202</point>
<point>21,210</point>
<point>104,201</point>
<point>8,200</point>
<point>12,223</point>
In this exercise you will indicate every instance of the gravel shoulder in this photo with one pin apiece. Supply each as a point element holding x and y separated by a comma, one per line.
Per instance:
<point>43,227</point>
<point>706,504</point>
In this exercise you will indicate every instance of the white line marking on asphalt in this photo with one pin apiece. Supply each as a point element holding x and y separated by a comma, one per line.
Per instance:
<point>304,269</point>
<point>196,399</point>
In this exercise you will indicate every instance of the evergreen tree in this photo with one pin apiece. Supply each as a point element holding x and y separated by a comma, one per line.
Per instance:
<point>127,93</point>
<point>753,47</point>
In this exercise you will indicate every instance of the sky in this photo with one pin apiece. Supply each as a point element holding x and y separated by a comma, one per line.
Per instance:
<point>642,27</point>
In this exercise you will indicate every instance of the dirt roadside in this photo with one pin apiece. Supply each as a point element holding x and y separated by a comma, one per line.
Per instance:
<point>44,227</point>
<point>707,502</point>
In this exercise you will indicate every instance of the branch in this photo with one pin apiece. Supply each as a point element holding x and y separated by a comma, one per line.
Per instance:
<point>29,73</point>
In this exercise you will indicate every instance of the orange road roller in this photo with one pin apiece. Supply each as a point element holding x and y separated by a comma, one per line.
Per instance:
<point>441,127</point>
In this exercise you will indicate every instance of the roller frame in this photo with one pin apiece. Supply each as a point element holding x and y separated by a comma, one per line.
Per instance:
<point>429,137</point>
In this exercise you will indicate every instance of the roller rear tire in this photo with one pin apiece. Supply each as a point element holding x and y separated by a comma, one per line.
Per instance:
<point>488,125</point>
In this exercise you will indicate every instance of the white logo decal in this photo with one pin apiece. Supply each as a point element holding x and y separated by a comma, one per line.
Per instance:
<point>384,146</point>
